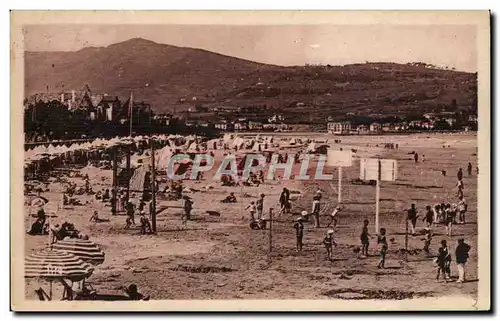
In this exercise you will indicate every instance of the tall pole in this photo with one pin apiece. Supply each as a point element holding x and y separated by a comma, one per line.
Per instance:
<point>115,172</point>
<point>377,196</point>
<point>270,233</point>
<point>127,160</point>
<point>131,104</point>
<point>406,240</point>
<point>153,185</point>
<point>340,186</point>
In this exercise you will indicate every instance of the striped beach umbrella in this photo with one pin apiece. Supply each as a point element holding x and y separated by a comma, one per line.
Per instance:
<point>85,250</point>
<point>52,264</point>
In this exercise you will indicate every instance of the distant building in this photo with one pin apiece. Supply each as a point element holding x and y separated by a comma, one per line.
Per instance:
<point>375,127</point>
<point>239,126</point>
<point>450,120</point>
<point>400,126</point>
<point>222,125</point>
<point>416,123</point>
<point>362,129</point>
<point>339,128</point>
<point>388,127</point>
<point>254,125</point>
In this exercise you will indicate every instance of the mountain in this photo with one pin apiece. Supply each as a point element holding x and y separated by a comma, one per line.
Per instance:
<point>169,77</point>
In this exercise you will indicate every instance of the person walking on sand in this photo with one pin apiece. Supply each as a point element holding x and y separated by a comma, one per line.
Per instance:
<point>462,209</point>
<point>365,239</point>
<point>429,217</point>
<point>469,169</point>
<point>412,217</point>
<point>333,217</point>
<point>329,243</point>
<point>383,247</point>
<point>461,254</point>
<point>427,241</point>
<point>299,233</point>
<point>460,174</point>
<point>316,208</point>
<point>260,206</point>
<point>443,260</point>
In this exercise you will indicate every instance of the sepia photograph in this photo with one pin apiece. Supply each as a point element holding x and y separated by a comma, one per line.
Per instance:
<point>250,161</point>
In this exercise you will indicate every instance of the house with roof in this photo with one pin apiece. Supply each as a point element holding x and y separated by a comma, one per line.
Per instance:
<point>375,127</point>
<point>362,129</point>
<point>108,108</point>
<point>339,127</point>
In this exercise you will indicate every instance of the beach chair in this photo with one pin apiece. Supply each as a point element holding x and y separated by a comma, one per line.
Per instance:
<point>42,295</point>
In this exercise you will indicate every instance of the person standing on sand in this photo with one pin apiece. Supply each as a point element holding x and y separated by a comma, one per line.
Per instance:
<point>461,254</point>
<point>284,200</point>
<point>130,215</point>
<point>449,216</point>
<point>443,260</point>
<point>329,243</point>
<point>365,239</point>
<point>260,206</point>
<point>412,217</point>
<point>427,241</point>
<point>188,207</point>
<point>469,169</point>
<point>316,208</point>
<point>429,217</point>
<point>462,209</point>
<point>299,232</point>
<point>460,174</point>
<point>415,157</point>
<point>383,247</point>
<point>253,210</point>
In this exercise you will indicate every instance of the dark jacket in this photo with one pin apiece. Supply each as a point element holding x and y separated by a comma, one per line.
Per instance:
<point>462,253</point>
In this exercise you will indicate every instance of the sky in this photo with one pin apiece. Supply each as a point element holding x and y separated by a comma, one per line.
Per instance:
<point>453,46</point>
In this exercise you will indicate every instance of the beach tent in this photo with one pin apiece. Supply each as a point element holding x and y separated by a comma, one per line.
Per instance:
<point>163,158</point>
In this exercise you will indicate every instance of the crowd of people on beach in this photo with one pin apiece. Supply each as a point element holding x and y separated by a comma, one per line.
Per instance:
<point>444,214</point>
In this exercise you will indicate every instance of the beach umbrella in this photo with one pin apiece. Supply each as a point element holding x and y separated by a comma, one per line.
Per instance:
<point>56,265</point>
<point>85,250</point>
<point>53,264</point>
<point>39,201</point>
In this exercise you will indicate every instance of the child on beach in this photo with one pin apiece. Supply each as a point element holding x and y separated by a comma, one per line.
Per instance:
<point>329,243</point>
<point>333,217</point>
<point>443,260</point>
<point>253,210</point>
<point>427,241</point>
<point>382,243</point>
<point>299,232</point>
<point>365,241</point>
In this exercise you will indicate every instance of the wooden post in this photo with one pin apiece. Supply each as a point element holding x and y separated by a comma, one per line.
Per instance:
<point>127,196</point>
<point>131,112</point>
<point>115,172</point>
<point>270,233</point>
<point>340,186</point>
<point>377,198</point>
<point>153,186</point>
<point>406,240</point>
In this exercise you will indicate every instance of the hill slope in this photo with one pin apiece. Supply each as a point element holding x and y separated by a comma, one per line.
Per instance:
<point>163,74</point>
